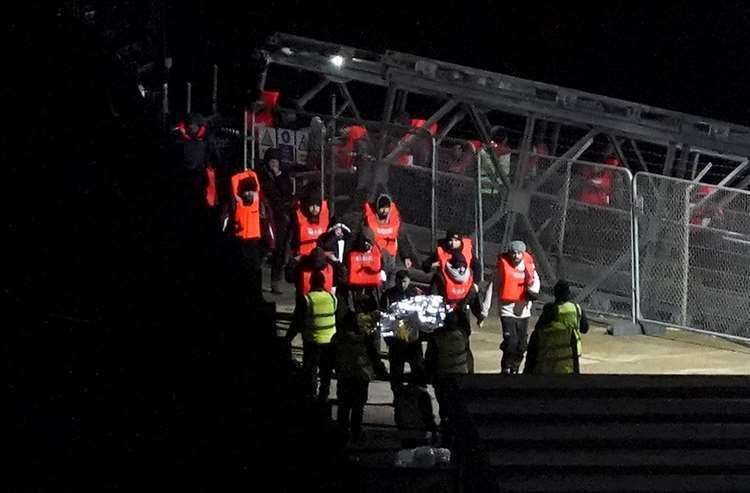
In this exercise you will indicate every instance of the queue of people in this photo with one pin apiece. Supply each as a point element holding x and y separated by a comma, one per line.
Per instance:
<point>343,274</point>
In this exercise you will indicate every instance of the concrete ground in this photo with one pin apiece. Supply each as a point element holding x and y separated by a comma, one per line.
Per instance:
<point>675,352</point>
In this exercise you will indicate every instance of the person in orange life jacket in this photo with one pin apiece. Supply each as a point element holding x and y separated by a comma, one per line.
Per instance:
<point>452,243</point>
<point>455,283</point>
<point>278,192</point>
<point>384,219</point>
<point>598,183</point>
<point>246,227</point>
<point>309,221</point>
<point>197,159</point>
<point>462,160</point>
<point>318,354</point>
<point>399,350</point>
<point>517,285</point>
<point>308,265</point>
<point>364,274</point>
<point>707,214</point>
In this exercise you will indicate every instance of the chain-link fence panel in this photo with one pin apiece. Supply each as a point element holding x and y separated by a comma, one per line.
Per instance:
<point>694,255</point>
<point>575,218</point>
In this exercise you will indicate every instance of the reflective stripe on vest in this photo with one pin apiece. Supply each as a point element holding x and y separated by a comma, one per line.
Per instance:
<point>513,285</point>
<point>305,276</point>
<point>386,234</point>
<point>321,326</point>
<point>308,232</point>
<point>364,268</point>
<point>247,217</point>
<point>556,351</point>
<point>456,291</point>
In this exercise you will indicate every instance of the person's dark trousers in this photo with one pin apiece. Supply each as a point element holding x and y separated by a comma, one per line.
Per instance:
<point>446,389</point>
<point>278,255</point>
<point>252,256</point>
<point>352,397</point>
<point>400,353</point>
<point>317,358</point>
<point>515,341</point>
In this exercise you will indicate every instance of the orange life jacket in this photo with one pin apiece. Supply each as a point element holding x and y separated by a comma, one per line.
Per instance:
<point>308,232</point>
<point>246,217</point>
<point>364,268</point>
<point>386,234</point>
<point>513,285</point>
<point>345,159</point>
<point>265,116</point>
<point>211,198</point>
<point>184,135</point>
<point>456,291</point>
<point>306,275</point>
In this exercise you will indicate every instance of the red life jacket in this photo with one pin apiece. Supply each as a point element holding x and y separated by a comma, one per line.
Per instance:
<point>211,198</point>
<point>599,183</point>
<point>703,216</point>
<point>344,156</point>
<point>184,135</point>
<point>513,285</point>
<point>308,232</point>
<point>265,116</point>
<point>456,291</point>
<point>246,217</point>
<point>408,159</point>
<point>364,268</point>
<point>306,275</point>
<point>386,234</point>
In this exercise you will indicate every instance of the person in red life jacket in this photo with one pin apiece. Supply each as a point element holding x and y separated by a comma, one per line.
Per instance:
<point>278,193</point>
<point>198,161</point>
<point>598,183</point>
<point>246,227</point>
<point>349,145</point>
<point>265,109</point>
<point>309,222</point>
<point>364,274</point>
<point>383,218</point>
<point>705,215</point>
<point>454,242</point>
<point>517,284</point>
<point>300,275</point>
<point>462,159</point>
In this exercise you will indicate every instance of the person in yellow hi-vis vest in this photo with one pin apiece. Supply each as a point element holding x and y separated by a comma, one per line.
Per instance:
<point>555,344</point>
<point>320,326</point>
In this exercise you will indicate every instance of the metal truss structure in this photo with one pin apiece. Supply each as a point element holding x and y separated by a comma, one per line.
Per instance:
<point>680,142</point>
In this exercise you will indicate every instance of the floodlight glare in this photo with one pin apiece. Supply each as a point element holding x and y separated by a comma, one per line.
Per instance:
<point>337,61</point>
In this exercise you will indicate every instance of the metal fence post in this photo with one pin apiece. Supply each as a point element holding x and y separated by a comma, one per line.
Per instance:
<point>480,219</point>
<point>165,104</point>
<point>323,163</point>
<point>244,140</point>
<point>215,91</point>
<point>332,185</point>
<point>433,195</point>
<point>189,104</point>
<point>564,218</point>
<point>252,139</point>
<point>635,241</point>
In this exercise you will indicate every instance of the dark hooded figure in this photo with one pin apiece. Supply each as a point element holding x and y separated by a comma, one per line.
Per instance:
<point>278,193</point>
<point>194,151</point>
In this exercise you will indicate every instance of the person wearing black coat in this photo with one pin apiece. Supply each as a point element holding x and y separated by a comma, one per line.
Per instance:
<point>278,193</point>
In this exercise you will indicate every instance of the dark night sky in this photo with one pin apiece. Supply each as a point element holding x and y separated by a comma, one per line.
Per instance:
<point>679,56</point>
